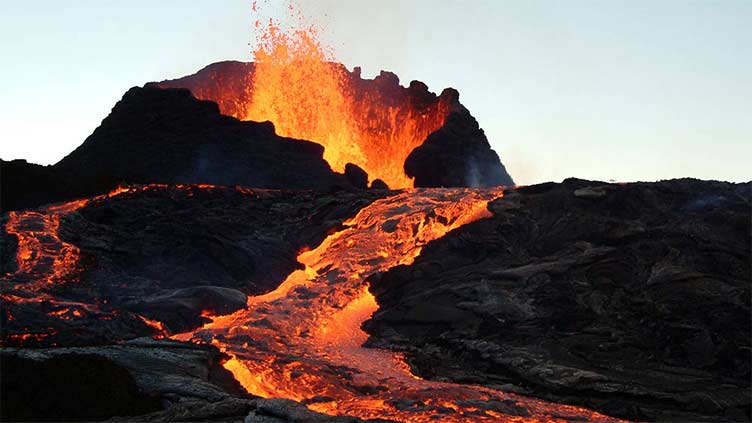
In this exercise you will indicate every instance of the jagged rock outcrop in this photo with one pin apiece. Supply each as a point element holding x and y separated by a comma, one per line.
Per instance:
<point>97,383</point>
<point>24,184</point>
<point>633,300</point>
<point>356,176</point>
<point>457,155</point>
<point>161,133</point>
<point>156,135</point>
<point>141,380</point>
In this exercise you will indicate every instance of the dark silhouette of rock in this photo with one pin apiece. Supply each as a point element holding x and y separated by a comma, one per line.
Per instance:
<point>162,134</point>
<point>356,176</point>
<point>142,380</point>
<point>24,185</point>
<point>379,184</point>
<point>231,76</point>
<point>156,135</point>
<point>456,155</point>
<point>141,377</point>
<point>633,300</point>
<point>166,135</point>
<point>69,387</point>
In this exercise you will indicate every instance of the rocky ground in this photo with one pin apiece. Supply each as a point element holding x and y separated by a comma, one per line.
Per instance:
<point>169,254</point>
<point>629,299</point>
<point>141,380</point>
<point>633,300</point>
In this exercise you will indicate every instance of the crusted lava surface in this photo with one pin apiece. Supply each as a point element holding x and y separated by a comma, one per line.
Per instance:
<point>630,299</point>
<point>154,259</point>
<point>94,279</point>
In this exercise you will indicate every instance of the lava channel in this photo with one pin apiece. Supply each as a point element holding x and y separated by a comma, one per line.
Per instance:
<point>303,341</point>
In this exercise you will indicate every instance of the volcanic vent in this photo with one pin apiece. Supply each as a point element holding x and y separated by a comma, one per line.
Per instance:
<point>376,124</point>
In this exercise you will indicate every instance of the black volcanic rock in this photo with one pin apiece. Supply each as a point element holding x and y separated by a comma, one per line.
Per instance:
<point>69,387</point>
<point>156,135</point>
<point>142,380</point>
<point>170,254</point>
<point>379,184</point>
<point>229,75</point>
<point>24,184</point>
<point>356,176</point>
<point>132,378</point>
<point>168,136</point>
<point>456,155</point>
<point>162,134</point>
<point>632,300</point>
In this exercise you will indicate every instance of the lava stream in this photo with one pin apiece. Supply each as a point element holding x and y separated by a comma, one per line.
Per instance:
<point>42,258</point>
<point>296,83</point>
<point>303,340</point>
<point>45,263</point>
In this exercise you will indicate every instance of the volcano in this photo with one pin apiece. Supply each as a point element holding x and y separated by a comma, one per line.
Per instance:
<point>284,240</point>
<point>403,136</point>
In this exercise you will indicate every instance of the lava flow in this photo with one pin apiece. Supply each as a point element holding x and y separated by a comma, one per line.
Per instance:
<point>45,267</point>
<point>303,341</point>
<point>42,258</point>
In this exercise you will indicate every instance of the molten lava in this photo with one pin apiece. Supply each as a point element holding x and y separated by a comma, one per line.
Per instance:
<point>45,264</point>
<point>295,84</point>
<point>42,258</point>
<point>306,96</point>
<point>303,341</point>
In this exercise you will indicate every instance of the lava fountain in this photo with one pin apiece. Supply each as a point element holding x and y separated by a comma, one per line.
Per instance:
<point>295,83</point>
<point>303,341</point>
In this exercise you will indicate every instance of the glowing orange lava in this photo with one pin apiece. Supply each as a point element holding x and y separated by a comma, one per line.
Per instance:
<point>295,86</point>
<point>295,83</point>
<point>44,261</point>
<point>42,257</point>
<point>303,341</point>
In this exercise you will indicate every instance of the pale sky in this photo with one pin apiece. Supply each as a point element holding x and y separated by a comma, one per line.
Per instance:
<point>622,90</point>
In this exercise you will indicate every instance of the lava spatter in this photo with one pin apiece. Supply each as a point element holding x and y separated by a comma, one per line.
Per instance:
<point>304,340</point>
<point>295,83</point>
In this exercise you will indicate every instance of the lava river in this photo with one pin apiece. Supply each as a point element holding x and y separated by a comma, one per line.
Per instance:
<point>303,341</point>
